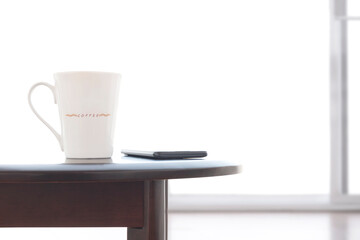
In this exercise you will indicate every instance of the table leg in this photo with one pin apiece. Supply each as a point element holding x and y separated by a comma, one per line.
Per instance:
<point>155,213</point>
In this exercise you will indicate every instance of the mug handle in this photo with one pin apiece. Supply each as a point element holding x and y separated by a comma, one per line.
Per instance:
<point>52,88</point>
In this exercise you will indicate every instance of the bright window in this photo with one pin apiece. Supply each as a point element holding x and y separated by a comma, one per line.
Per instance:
<point>353,107</point>
<point>244,80</point>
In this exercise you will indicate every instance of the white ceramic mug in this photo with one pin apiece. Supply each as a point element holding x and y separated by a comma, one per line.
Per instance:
<point>87,106</point>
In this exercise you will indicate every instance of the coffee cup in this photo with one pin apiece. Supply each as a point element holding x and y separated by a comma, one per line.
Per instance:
<point>87,104</point>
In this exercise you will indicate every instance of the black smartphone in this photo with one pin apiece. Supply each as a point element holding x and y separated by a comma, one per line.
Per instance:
<point>165,155</point>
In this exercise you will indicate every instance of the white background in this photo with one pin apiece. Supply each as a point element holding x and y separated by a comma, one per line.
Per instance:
<point>245,80</point>
<point>353,8</point>
<point>353,106</point>
<point>353,97</point>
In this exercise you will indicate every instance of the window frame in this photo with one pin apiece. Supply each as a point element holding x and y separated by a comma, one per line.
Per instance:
<point>339,114</point>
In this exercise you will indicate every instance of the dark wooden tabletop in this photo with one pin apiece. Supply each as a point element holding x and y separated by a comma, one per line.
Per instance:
<point>122,169</point>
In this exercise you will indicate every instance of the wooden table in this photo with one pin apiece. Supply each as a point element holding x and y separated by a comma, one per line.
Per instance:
<point>128,193</point>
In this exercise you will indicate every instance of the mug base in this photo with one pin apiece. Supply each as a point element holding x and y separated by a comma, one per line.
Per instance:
<point>88,160</point>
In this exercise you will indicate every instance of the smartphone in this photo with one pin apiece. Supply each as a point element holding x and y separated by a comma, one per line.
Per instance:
<point>165,155</point>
